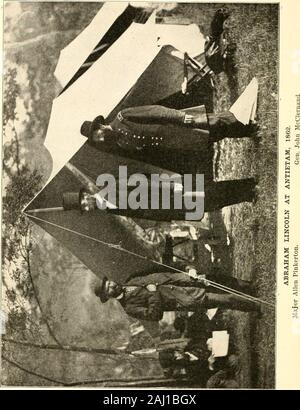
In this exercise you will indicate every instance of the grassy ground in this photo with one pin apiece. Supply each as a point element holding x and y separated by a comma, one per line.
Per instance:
<point>252,227</point>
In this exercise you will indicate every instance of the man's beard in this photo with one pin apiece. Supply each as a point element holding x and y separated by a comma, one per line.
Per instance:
<point>116,291</point>
<point>108,136</point>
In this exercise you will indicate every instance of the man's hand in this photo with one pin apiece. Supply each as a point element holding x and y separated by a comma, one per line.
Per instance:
<point>212,50</point>
<point>192,272</point>
<point>202,279</point>
<point>178,355</point>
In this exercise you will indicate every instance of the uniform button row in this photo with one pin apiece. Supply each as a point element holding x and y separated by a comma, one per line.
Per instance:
<point>139,137</point>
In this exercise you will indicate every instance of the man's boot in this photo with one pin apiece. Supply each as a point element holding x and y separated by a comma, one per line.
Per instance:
<point>231,301</point>
<point>225,193</point>
<point>226,125</point>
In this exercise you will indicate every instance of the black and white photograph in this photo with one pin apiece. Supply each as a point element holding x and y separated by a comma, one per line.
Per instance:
<point>139,194</point>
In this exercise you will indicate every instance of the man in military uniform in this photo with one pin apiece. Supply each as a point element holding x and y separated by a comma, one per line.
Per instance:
<point>156,127</point>
<point>148,297</point>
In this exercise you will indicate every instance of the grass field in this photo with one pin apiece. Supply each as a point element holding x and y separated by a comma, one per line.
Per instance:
<point>252,227</point>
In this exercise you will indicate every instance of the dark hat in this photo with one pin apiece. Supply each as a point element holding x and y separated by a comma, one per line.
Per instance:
<point>72,200</point>
<point>100,291</point>
<point>88,127</point>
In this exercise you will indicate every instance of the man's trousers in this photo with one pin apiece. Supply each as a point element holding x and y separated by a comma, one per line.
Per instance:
<point>229,301</point>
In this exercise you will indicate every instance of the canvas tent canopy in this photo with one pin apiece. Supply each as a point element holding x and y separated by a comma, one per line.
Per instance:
<point>106,86</point>
<point>113,19</point>
<point>108,81</point>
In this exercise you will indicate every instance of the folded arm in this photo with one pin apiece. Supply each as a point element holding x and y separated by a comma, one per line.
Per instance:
<point>153,311</point>
<point>182,279</point>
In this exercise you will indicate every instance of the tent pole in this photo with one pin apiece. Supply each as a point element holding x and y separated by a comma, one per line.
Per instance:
<point>34,211</point>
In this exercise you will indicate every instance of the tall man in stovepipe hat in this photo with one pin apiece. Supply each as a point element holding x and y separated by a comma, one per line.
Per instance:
<point>216,195</point>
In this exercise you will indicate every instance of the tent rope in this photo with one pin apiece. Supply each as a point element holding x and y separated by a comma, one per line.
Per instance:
<point>120,248</point>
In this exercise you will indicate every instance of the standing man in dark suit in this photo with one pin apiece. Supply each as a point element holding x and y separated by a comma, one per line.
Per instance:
<point>217,195</point>
<point>148,297</point>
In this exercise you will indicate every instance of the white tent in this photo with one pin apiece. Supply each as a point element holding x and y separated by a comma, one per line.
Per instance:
<point>109,79</point>
<point>183,37</point>
<point>72,57</point>
<point>99,90</point>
